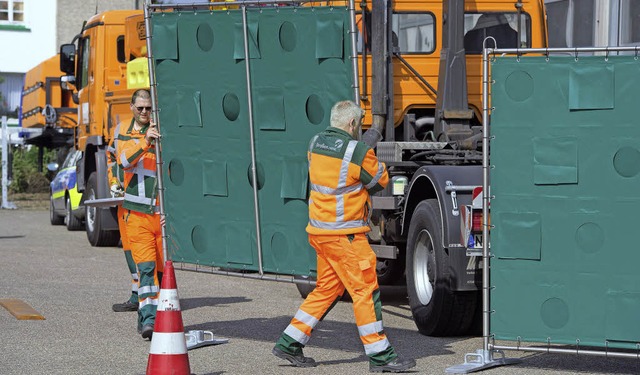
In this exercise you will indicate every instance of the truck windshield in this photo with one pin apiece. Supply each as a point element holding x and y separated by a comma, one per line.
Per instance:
<point>501,26</point>
<point>83,56</point>
<point>415,32</point>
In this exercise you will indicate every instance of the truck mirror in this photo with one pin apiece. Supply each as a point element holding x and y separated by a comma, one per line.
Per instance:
<point>52,167</point>
<point>68,58</point>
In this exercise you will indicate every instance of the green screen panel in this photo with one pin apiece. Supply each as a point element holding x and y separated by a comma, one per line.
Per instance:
<point>566,160</point>
<point>206,144</point>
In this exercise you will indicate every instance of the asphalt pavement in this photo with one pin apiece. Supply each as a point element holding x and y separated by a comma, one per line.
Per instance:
<point>74,285</point>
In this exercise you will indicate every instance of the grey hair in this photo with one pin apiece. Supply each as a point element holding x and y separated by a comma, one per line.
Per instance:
<point>343,112</point>
<point>140,93</point>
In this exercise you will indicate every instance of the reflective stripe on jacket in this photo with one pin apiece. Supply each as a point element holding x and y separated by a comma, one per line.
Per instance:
<point>115,173</point>
<point>139,163</point>
<point>343,173</point>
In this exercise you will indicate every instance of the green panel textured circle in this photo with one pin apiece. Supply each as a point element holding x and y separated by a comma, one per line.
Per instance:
<point>314,110</point>
<point>204,36</point>
<point>231,106</point>
<point>280,247</point>
<point>627,161</point>
<point>199,238</point>
<point>259,175</point>
<point>176,172</point>
<point>590,237</point>
<point>288,36</point>
<point>519,86</point>
<point>554,313</point>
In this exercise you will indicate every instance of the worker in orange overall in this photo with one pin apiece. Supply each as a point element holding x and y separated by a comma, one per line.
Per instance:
<point>343,172</point>
<point>116,183</point>
<point>136,156</point>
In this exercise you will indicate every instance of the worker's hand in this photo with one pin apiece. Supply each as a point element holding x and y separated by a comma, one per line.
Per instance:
<point>116,191</point>
<point>152,133</point>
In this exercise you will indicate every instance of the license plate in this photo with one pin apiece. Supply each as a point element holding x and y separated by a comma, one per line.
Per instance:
<point>477,241</point>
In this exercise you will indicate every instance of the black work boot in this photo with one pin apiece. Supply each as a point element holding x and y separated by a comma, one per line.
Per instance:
<point>147,331</point>
<point>126,306</point>
<point>298,360</point>
<point>397,365</point>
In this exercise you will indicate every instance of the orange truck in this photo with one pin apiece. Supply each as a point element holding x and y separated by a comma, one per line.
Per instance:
<point>47,106</point>
<point>96,63</point>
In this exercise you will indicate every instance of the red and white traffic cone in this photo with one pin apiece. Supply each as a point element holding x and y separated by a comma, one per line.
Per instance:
<point>168,352</point>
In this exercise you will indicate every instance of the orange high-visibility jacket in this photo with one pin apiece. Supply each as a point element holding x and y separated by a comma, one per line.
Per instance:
<point>114,172</point>
<point>138,159</point>
<point>343,172</point>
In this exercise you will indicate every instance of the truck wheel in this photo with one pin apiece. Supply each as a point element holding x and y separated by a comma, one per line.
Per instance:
<point>304,287</point>
<point>54,218</point>
<point>390,271</point>
<point>436,309</point>
<point>73,223</point>
<point>95,234</point>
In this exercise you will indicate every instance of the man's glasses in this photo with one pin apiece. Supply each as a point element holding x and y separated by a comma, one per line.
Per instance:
<point>148,109</point>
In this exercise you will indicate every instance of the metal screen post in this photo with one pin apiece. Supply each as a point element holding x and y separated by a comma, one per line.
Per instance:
<point>5,165</point>
<point>156,118</point>
<point>354,52</point>
<point>483,358</point>
<point>254,173</point>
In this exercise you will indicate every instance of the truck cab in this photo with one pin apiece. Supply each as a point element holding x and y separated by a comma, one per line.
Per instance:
<point>97,64</point>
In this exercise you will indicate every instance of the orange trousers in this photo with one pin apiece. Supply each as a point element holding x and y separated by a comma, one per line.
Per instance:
<point>344,261</point>
<point>145,238</point>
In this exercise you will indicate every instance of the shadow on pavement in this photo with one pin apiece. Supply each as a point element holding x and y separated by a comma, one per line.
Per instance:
<point>330,335</point>
<point>192,303</point>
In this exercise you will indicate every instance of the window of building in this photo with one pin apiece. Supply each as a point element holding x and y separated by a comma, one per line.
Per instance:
<point>12,12</point>
<point>629,16</point>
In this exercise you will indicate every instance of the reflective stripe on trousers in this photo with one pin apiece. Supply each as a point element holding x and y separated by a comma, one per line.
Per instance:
<point>344,264</point>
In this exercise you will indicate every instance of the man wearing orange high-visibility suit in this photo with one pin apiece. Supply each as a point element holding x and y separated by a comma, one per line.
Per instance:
<point>343,172</point>
<point>136,155</point>
<point>116,182</point>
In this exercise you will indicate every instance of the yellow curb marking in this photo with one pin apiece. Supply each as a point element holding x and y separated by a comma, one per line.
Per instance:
<point>20,309</point>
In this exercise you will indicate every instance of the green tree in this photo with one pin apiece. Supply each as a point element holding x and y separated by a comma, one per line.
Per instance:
<point>26,178</point>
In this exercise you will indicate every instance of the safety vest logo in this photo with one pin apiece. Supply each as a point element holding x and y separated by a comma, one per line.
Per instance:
<point>339,143</point>
<point>334,148</point>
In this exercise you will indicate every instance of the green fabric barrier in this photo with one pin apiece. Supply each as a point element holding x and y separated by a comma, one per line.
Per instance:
<point>566,180</point>
<point>296,76</point>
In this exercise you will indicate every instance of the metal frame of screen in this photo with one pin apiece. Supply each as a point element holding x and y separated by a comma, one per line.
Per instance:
<point>486,357</point>
<point>152,83</point>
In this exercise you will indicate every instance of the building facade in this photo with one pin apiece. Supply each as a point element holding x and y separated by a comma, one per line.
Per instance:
<point>32,31</point>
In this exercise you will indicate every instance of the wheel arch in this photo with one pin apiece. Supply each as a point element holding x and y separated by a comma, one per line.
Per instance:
<point>422,187</point>
<point>430,182</point>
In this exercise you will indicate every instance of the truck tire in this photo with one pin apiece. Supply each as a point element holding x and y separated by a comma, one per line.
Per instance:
<point>436,309</point>
<point>54,218</point>
<point>305,287</point>
<point>95,234</point>
<point>73,223</point>
<point>390,271</point>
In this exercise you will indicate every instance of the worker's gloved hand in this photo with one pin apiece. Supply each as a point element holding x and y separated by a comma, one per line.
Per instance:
<point>371,137</point>
<point>116,191</point>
